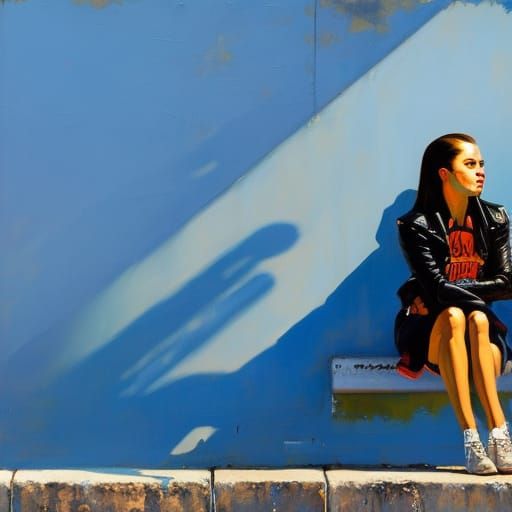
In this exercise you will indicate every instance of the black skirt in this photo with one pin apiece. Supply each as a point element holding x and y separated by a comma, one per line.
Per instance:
<point>412,336</point>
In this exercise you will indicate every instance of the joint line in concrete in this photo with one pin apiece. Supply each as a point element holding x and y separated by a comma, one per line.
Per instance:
<point>11,491</point>
<point>326,488</point>
<point>212,490</point>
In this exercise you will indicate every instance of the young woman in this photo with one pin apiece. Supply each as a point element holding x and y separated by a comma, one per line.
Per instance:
<point>457,247</point>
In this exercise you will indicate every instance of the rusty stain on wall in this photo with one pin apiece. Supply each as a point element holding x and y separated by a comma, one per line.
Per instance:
<point>369,14</point>
<point>217,56</point>
<point>395,406</point>
<point>99,4</point>
<point>328,38</point>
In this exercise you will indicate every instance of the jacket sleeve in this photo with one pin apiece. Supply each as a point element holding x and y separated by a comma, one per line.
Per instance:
<point>415,244</point>
<point>499,285</point>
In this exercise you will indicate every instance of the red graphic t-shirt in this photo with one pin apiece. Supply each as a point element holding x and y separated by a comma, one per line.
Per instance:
<point>465,262</point>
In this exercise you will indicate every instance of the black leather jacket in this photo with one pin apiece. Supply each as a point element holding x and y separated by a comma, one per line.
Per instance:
<point>425,245</point>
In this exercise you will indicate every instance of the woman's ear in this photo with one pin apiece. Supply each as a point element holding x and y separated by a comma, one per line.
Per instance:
<point>443,173</point>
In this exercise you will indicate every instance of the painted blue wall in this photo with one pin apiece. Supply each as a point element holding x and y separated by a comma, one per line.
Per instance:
<point>197,212</point>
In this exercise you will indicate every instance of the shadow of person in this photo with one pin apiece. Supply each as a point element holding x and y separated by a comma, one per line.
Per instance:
<point>276,409</point>
<point>90,413</point>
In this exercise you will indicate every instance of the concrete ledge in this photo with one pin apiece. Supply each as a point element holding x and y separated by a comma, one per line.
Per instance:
<point>297,490</point>
<point>440,490</point>
<point>5,486</point>
<point>118,490</point>
<point>379,375</point>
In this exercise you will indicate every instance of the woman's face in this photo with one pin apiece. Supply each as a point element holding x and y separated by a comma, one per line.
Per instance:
<point>467,174</point>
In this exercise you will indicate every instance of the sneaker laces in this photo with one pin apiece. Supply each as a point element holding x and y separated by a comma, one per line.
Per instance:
<point>505,446</point>
<point>477,447</point>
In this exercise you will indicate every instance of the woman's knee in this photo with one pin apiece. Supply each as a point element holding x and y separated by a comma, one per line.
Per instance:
<point>448,332</point>
<point>479,321</point>
<point>455,317</point>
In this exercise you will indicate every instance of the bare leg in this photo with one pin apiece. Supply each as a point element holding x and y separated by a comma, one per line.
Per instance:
<point>447,349</point>
<point>484,369</point>
<point>496,354</point>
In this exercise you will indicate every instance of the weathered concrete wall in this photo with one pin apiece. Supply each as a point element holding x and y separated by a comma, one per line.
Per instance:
<point>184,246</point>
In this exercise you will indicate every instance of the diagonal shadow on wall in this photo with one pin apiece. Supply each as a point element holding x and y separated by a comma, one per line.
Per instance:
<point>288,382</point>
<point>79,253</point>
<point>91,414</point>
<point>274,411</point>
<point>277,409</point>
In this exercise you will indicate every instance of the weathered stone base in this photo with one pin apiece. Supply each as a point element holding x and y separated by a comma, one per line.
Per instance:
<point>297,490</point>
<point>116,491</point>
<point>417,491</point>
<point>5,494</point>
<point>292,490</point>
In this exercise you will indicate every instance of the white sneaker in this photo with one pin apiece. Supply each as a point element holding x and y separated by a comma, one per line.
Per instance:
<point>477,461</point>
<point>499,448</point>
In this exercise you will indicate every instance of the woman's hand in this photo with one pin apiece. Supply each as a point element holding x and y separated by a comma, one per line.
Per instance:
<point>418,307</point>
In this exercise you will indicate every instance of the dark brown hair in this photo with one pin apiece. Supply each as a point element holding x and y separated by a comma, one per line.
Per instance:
<point>439,153</point>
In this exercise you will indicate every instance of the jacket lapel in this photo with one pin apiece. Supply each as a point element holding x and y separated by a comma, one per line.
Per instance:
<point>442,228</point>
<point>483,228</point>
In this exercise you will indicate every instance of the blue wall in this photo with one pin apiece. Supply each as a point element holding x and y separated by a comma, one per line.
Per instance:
<point>197,212</point>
